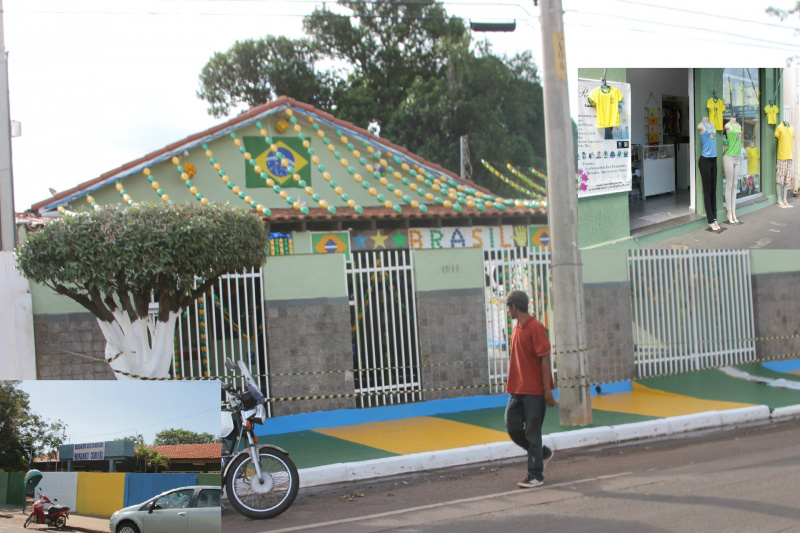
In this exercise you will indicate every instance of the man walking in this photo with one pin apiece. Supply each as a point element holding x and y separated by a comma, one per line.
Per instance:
<point>530,384</point>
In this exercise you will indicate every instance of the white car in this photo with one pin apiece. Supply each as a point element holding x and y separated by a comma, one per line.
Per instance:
<point>184,510</point>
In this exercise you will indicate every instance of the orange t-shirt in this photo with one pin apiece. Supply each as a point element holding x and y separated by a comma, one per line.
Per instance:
<point>529,343</point>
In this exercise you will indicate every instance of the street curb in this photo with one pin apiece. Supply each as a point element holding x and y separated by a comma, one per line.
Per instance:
<point>579,438</point>
<point>786,413</point>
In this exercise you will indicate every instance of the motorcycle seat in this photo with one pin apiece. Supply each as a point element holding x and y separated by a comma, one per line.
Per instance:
<point>56,509</point>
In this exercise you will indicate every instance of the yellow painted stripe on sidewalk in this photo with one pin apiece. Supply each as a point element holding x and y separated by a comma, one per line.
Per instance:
<point>416,435</point>
<point>651,402</point>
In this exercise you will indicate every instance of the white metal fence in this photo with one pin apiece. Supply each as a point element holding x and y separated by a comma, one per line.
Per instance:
<point>228,322</point>
<point>385,335</point>
<point>506,270</point>
<point>691,309</point>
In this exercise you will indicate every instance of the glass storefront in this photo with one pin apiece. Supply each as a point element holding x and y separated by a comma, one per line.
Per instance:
<point>741,95</point>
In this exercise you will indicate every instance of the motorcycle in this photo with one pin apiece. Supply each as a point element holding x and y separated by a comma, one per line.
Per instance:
<point>56,514</point>
<point>259,480</point>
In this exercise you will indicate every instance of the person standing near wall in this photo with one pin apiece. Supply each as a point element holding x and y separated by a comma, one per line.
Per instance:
<point>530,385</point>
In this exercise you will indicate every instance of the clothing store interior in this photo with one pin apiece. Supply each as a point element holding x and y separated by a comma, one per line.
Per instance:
<point>663,159</point>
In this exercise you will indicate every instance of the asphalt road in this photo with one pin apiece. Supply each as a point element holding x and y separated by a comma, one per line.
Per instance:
<point>743,480</point>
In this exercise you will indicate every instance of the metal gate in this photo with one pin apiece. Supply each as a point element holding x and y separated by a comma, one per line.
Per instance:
<point>506,270</point>
<point>227,322</point>
<point>383,310</point>
<point>691,309</point>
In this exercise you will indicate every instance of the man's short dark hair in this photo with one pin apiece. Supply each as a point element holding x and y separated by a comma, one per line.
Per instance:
<point>518,299</point>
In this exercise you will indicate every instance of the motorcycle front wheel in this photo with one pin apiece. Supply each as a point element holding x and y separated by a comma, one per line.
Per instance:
<point>28,521</point>
<point>267,499</point>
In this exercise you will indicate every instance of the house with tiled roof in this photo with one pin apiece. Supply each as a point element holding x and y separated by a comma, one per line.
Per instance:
<point>383,277</point>
<point>192,457</point>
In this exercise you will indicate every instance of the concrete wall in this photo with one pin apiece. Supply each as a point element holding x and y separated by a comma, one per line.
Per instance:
<point>609,321</point>
<point>99,494</point>
<point>776,293</point>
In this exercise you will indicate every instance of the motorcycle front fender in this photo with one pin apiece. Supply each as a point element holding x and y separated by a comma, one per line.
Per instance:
<point>245,452</point>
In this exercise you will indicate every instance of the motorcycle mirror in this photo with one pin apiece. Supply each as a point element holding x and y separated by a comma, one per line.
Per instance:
<point>229,365</point>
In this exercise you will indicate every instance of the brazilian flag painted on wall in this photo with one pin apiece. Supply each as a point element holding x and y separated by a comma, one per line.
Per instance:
<point>290,149</point>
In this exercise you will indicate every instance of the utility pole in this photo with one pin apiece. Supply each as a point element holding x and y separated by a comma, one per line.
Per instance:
<point>569,324</point>
<point>8,231</point>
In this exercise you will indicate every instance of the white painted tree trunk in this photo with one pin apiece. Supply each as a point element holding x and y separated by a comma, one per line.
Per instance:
<point>146,345</point>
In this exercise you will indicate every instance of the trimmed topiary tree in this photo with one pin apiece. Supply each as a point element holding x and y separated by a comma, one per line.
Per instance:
<point>114,260</point>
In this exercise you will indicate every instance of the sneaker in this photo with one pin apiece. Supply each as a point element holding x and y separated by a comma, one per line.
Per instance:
<point>547,459</point>
<point>530,483</point>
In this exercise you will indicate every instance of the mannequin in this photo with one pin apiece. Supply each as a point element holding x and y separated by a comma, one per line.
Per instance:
<point>785,135</point>
<point>730,164</point>
<point>708,170</point>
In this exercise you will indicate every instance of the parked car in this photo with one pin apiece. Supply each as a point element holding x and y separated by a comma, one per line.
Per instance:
<point>184,510</point>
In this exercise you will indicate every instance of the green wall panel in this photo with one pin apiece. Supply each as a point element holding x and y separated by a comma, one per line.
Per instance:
<point>436,270</point>
<point>290,277</point>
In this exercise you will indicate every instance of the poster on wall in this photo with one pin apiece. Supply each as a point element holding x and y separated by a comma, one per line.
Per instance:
<point>604,137</point>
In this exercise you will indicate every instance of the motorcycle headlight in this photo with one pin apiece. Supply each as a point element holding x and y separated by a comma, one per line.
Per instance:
<point>261,414</point>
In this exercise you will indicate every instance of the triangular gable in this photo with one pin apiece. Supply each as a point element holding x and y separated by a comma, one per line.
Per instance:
<point>332,170</point>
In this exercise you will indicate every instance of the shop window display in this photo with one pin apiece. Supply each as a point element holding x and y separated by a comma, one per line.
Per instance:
<point>740,93</point>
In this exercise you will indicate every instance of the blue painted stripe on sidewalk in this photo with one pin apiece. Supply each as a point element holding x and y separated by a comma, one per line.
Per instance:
<point>351,417</point>
<point>783,366</point>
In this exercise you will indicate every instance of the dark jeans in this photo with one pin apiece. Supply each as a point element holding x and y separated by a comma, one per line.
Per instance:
<point>708,173</point>
<point>524,418</point>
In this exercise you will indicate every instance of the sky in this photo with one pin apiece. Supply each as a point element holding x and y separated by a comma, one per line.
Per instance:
<point>99,411</point>
<point>96,84</point>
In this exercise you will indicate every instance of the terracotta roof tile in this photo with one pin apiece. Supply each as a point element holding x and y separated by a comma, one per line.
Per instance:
<point>191,451</point>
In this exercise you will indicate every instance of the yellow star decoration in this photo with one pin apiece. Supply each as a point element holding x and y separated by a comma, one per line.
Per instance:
<point>379,240</point>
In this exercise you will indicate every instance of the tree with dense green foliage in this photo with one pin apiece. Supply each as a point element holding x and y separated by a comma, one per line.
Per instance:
<point>413,69</point>
<point>238,77</point>
<point>114,260</point>
<point>171,437</point>
<point>24,435</point>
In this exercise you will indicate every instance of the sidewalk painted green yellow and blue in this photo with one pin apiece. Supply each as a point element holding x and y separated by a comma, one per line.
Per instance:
<point>365,436</point>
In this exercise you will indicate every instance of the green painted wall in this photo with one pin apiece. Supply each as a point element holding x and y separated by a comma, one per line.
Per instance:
<point>774,261</point>
<point>435,270</point>
<point>605,218</point>
<point>290,277</point>
<point>604,266</point>
<point>47,302</point>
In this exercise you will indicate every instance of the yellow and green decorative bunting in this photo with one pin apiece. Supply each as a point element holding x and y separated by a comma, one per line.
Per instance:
<point>272,161</point>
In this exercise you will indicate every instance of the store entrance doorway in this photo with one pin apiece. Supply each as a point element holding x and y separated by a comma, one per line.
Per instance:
<point>662,121</point>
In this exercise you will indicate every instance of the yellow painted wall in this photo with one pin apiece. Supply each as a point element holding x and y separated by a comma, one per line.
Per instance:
<point>100,494</point>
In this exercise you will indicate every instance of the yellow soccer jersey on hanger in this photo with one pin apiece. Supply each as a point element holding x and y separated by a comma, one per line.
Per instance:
<point>715,110</point>
<point>772,113</point>
<point>606,100</point>
<point>752,159</point>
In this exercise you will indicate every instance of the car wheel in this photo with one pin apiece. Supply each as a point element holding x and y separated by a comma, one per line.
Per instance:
<point>127,527</point>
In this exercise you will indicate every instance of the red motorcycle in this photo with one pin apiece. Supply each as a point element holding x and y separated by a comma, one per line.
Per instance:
<point>45,512</point>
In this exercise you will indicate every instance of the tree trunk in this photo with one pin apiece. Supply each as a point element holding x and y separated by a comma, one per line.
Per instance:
<point>141,348</point>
